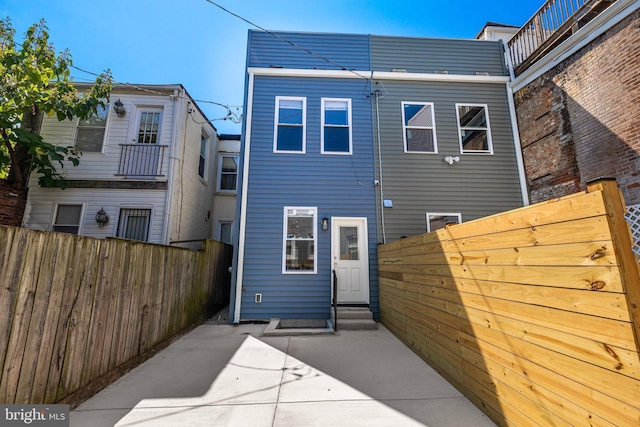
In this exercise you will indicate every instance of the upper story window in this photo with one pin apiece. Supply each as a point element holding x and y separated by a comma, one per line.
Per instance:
<point>300,227</point>
<point>67,219</point>
<point>290,125</point>
<point>202,160</point>
<point>336,126</point>
<point>436,221</point>
<point>473,128</point>
<point>419,127</point>
<point>149,127</point>
<point>228,175</point>
<point>91,132</point>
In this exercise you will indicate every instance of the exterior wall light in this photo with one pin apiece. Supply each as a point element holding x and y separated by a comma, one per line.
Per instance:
<point>118,107</point>
<point>102,218</point>
<point>452,159</point>
<point>325,223</point>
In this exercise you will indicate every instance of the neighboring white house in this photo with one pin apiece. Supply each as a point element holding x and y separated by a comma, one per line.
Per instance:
<point>224,202</point>
<point>150,165</point>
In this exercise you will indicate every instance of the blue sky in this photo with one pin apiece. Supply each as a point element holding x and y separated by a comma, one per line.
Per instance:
<point>197,44</point>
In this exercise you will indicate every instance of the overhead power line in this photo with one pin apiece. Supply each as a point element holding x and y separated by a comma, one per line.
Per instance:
<point>234,117</point>
<point>285,40</point>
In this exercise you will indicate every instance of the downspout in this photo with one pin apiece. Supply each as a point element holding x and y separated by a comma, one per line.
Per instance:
<point>178,113</point>
<point>384,234</point>
<point>243,208</point>
<point>515,131</point>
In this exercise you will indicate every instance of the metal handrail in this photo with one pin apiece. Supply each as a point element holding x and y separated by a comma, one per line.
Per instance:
<point>335,301</point>
<point>545,27</point>
<point>144,160</point>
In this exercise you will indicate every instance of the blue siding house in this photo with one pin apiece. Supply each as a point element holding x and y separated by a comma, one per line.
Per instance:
<point>323,115</point>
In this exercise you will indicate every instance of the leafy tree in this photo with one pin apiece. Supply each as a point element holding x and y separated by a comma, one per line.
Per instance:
<point>34,80</point>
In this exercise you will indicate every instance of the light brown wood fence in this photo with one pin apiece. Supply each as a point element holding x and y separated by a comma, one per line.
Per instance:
<point>76,312</point>
<point>532,314</point>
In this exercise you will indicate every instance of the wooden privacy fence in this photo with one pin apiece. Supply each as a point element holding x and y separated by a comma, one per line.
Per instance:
<point>533,314</point>
<point>76,312</point>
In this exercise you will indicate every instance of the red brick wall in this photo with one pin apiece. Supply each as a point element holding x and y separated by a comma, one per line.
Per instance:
<point>12,204</point>
<point>580,120</point>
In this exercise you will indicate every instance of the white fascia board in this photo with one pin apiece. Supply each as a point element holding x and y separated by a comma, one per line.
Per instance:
<point>295,72</point>
<point>377,75</point>
<point>427,77</point>
<point>594,28</point>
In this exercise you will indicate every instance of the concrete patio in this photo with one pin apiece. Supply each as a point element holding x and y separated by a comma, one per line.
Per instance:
<point>220,375</point>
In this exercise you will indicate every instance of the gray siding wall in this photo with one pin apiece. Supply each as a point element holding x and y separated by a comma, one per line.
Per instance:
<point>418,55</point>
<point>350,51</point>
<point>336,185</point>
<point>478,185</point>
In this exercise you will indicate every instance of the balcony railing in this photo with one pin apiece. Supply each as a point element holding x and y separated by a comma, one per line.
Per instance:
<point>554,22</point>
<point>141,160</point>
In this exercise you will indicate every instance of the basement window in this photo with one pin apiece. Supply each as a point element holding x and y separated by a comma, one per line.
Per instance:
<point>436,221</point>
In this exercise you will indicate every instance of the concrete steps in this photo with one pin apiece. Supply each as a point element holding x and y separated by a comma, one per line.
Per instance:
<point>355,319</point>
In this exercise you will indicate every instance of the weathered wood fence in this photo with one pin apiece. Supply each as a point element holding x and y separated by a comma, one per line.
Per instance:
<point>532,314</point>
<point>77,312</point>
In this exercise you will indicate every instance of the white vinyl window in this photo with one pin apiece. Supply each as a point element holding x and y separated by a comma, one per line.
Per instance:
<point>134,224</point>
<point>204,156</point>
<point>290,125</point>
<point>299,240</point>
<point>91,132</point>
<point>336,126</point>
<point>225,231</point>
<point>436,221</point>
<point>473,129</point>
<point>419,127</point>
<point>228,173</point>
<point>67,219</point>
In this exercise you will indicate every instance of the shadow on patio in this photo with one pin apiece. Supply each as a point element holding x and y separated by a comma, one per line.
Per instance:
<point>227,376</point>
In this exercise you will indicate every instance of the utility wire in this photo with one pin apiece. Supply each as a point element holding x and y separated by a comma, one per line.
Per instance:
<point>234,117</point>
<point>285,40</point>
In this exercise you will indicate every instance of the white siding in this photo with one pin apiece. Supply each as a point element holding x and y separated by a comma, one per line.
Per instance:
<point>42,201</point>
<point>119,130</point>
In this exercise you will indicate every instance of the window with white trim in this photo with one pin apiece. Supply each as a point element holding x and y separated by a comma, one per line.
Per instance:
<point>204,154</point>
<point>436,220</point>
<point>336,126</point>
<point>134,224</point>
<point>299,240</point>
<point>149,126</point>
<point>67,219</point>
<point>224,231</point>
<point>290,125</point>
<point>91,132</point>
<point>419,127</point>
<point>473,128</point>
<point>228,173</point>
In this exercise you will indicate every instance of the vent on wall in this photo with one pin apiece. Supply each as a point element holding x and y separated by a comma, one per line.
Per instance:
<point>258,298</point>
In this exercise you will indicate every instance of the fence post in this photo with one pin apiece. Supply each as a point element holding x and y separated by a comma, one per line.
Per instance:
<point>623,246</point>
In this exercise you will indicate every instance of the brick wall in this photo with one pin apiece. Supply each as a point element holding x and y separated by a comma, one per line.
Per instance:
<point>579,121</point>
<point>12,203</point>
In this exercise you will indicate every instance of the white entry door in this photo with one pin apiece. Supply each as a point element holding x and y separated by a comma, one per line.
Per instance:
<point>349,250</point>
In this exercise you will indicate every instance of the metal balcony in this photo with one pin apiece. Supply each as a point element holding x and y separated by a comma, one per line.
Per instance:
<point>141,160</point>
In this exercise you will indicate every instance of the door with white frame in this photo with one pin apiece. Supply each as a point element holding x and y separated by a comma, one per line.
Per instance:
<point>350,254</point>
